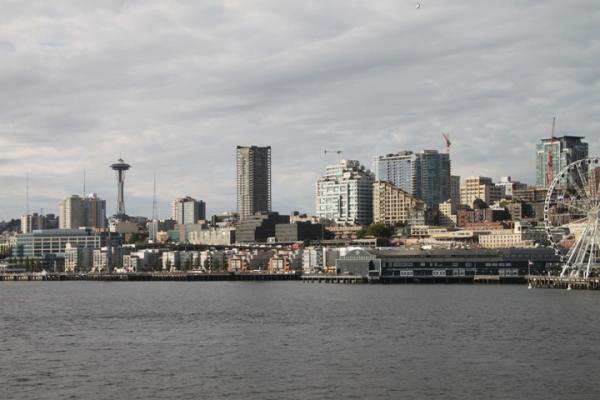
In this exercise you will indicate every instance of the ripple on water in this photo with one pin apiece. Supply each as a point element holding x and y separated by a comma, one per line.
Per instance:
<point>287,340</point>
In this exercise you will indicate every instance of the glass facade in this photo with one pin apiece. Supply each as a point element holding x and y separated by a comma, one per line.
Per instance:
<point>54,241</point>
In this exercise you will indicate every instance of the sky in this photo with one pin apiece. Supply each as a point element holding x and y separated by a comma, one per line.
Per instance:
<point>174,87</point>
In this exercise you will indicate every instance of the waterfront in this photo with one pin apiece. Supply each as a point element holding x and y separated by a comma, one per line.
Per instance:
<point>288,340</point>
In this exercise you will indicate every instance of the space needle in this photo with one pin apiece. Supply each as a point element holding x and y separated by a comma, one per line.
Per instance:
<point>120,167</point>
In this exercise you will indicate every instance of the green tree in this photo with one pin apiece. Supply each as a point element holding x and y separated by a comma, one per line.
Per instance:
<point>362,232</point>
<point>328,235</point>
<point>379,231</point>
<point>28,264</point>
<point>479,204</point>
<point>5,252</point>
<point>528,210</point>
<point>156,264</point>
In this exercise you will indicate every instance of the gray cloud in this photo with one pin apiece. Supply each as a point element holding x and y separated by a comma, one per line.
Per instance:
<point>174,87</point>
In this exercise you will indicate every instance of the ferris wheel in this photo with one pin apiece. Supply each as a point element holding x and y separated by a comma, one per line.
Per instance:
<point>572,217</point>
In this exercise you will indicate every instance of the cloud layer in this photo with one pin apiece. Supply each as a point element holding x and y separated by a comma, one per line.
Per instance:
<point>173,87</point>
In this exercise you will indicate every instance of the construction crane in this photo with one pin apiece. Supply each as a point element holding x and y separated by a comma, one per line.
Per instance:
<point>550,157</point>
<point>446,137</point>
<point>338,152</point>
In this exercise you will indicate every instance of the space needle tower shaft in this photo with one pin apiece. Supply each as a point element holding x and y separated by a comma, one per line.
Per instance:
<point>120,167</point>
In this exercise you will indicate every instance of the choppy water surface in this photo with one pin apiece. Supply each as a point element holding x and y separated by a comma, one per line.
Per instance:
<point>288,340</point>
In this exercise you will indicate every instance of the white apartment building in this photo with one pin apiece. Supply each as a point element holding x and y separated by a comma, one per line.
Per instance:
<point>507,186</point>
<point>312,260</point>
<point>199,234</point>
<point>77,258</point>
<point>345,194</point>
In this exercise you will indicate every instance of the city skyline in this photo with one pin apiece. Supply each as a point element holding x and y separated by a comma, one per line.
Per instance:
<point>371,79</point>
<point>299,199</point>
<point>215,210</point>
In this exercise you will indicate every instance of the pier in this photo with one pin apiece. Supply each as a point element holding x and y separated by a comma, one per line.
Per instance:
<point>558,282</point>
<point>541,281</point>
<point>332,278</point>
<point>420,279</point>
<point>150,276</point>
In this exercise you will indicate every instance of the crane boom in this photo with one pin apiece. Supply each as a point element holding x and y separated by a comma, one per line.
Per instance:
<point>338,152</point>
<point>446,137</point>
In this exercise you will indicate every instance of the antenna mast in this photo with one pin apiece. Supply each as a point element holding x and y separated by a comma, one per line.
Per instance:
<point>27,194</point>
<point>154,203</point>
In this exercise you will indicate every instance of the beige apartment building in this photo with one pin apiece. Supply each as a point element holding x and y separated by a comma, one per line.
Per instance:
<point>447,214</point>
<point>76,212</point>
<point>522,235</point>
<point>392,205</point>
<point>479,187</point>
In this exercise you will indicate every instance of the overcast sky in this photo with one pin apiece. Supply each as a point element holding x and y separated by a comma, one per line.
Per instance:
<point>174,86</point>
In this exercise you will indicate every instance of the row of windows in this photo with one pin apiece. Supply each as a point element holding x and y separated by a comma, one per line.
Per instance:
<point>445,264</point>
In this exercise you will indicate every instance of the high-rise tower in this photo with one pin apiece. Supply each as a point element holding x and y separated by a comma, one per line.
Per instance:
<point>120,167</point>
<point>77,212</point>
<point>425,175</point>
<point>187,210</point>
<point>253,180</point>
<point>563,150</point>
<point>433,177</point>
<point>399,169</point>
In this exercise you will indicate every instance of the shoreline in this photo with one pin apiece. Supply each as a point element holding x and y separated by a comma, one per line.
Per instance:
<point>535,281</point>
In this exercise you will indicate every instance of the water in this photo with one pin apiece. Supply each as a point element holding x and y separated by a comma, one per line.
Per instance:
<point>288,340</point>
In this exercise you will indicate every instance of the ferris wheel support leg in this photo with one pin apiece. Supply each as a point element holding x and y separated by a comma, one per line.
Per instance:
<point>592,258</point>
<point>580,263</point>
<point>574,252</point>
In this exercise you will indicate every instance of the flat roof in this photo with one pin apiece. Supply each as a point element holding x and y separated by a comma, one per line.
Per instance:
<point>453,253</point>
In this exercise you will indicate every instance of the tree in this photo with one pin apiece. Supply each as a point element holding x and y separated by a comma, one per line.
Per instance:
<point>479,204</point>
<point>379,231</point>
<point>156,264</point>
<point>528,210</point>
<point>5,252</point>
<point>362,232</point>
<point>28,264</point>
<point>328,235</point>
